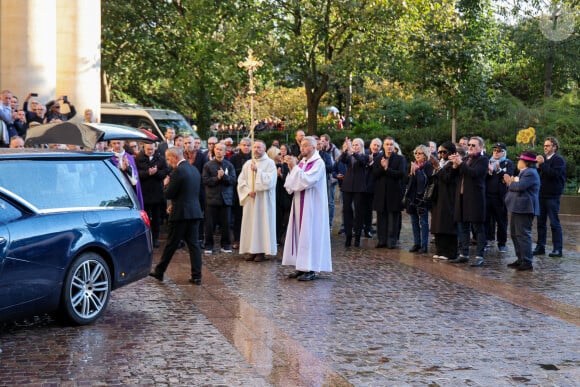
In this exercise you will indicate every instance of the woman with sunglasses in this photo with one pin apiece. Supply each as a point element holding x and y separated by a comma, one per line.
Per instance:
<point>442,224</point>
<point>420,174</point>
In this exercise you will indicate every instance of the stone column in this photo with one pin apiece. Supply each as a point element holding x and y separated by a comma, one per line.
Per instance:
<point>52,47</point>
<point>78,58</point>
<point>28,47</point>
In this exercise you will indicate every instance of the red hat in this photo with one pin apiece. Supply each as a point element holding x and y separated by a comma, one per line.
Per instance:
<point>528,156</point>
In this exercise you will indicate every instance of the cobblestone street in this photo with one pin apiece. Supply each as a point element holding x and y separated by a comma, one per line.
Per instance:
<point>381,318</point>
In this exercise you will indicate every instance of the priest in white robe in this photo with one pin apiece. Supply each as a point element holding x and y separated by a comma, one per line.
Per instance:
<point>307,245</point>
<point>257,193</point>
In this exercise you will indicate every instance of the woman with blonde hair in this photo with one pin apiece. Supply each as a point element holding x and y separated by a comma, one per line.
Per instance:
<point>420,174</point>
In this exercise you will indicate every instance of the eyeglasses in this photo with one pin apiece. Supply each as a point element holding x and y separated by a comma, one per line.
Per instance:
<point>472,145</point>
<point>418,153</point>
<point>442,152</point>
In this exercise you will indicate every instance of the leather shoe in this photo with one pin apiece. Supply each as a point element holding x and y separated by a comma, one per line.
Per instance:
<point>156,275</point>
<point>525,266</point>
<point>459,260</point>
<point>414,249</point>
<point>307,276</point>
<point>555,253</point>
<point>380,245</point>
<point>195,281</point>
<point>423,250</point>
<point>259,257</point>
<point>251,257</point>
<point>539,251</point>
<point>514,265</point>
<point>348,241</point>
<point>296,274</point>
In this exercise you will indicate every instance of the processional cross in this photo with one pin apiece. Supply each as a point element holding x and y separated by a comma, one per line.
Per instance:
<point>251,64</point>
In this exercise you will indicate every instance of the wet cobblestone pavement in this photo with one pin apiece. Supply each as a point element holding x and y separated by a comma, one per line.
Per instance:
<point>382,318</point>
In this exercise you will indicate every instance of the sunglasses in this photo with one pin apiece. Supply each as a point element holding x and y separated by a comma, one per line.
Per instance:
<point>472,145</point>
<point>442,152</point>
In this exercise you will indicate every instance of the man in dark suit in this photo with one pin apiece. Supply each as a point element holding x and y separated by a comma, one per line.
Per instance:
<point>182,188</point>
<point>389,170</point>
<point>470,200</point>
<point>152,171</point>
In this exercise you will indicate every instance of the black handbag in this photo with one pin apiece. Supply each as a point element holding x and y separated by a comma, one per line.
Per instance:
<point>430,195</point>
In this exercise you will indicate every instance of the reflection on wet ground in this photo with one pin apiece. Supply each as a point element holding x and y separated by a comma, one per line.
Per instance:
<point>383,317</point>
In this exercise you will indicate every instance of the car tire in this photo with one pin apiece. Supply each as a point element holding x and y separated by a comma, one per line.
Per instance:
<point>86,290</point>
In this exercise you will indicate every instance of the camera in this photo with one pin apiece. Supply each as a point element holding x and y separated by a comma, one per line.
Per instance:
<point>34,94</point>
<point>65,99</point>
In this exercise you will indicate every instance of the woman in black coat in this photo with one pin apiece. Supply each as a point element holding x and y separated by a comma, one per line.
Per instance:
<point>442,224</point>
<point>419,176</point>
<point>283,198</point>
<point>353,188</point>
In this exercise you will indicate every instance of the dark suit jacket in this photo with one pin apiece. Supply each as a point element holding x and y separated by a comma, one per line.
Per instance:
<point>183,191</point>
<point>472,172</point>
<point>151,185</point>
<point>388,184</point>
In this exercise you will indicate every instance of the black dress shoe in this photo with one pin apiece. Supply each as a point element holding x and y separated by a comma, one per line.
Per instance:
<point>251,257</point>
<point>459,259</point>
<point>525,266</point>
<point>156,275</point>
<point>357,241</point>
<point>423,250</point>
<point>260,257</point>
<point>348,241</point>
<point>514,265</point>
<point>539,251</point>
<point>307,276</point>
<point>380,246</point>
<point>555,253</point>
<point>296,274</point>
<point>195,281</point>
<point>414,249</point>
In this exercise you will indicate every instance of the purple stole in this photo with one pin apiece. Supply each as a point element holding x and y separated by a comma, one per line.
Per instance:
<point>302,193</point>
<point>136,187</point>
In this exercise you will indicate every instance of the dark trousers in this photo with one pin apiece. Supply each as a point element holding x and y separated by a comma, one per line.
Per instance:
<point>388,228</point>
<point>352,212</point>
<point>154,213</point>
<point>496,213</point>
<point>215,215</point>
<point>237,212</point>
<point>367,211</point>
<point>549,209</point>
<point>446,245</point>
<point>282,217</point>
<point>182,230</point>
<point>465,237</point>
<point>521,232</point>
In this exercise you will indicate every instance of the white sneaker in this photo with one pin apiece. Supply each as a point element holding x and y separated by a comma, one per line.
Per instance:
<point>208,252</point>
<point>443,258</point>
<point>226,250</point>
<point>435,256</point>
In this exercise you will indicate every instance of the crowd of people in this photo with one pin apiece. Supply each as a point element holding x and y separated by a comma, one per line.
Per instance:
<point>456,192</point>
<point>257,197</point>
<point>15,119</point>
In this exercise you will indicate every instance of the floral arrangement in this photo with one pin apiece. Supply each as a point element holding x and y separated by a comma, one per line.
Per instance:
<point>526,136</point>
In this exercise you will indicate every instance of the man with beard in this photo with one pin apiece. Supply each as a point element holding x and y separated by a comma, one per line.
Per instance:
<point>257,193</point>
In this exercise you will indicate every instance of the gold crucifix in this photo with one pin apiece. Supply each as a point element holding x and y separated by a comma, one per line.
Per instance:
<point>251,64</point>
